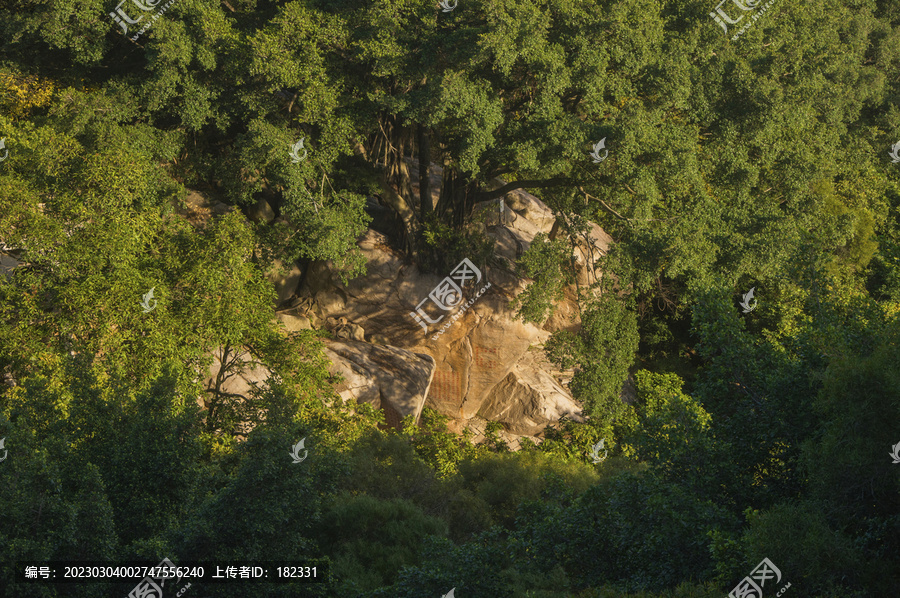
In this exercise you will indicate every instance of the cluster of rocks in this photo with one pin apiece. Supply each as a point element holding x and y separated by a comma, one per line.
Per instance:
<point>486,366</point>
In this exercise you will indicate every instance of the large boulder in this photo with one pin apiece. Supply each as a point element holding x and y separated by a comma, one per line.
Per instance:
<point>590,248</point>
<point>392,379</point>
<point>294,322</point>
<point>473,348</point>
<point>286,278</point>
<point>532,209</point>
<point>528,398</point>
<point>388,378</point>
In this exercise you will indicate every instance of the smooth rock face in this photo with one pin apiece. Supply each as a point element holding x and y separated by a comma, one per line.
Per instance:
<point>475,353</point>
<point>532,209</point>
<point>389,378</point>
<point>285,280</point>
<point>528,398</point>
<point>472,354</point>
<point>590,249</point>
<point>294,322</point>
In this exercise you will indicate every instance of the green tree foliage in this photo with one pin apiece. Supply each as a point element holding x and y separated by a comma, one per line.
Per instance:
<point>372,539</point>
<point>671,432</point>
<point>442,450</point>
<point>602,351</point>
<point>847,473</point>
<point>640,531</point>
<point>504,481</point>
<point>808,551</point>
<point>543,262</point>
<point>264,505</point>
<point>758,162</point>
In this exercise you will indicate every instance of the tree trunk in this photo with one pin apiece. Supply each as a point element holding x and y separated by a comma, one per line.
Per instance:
<point>457,198</point>
<point>424,142</point>
<point>390,146</point>
<point>399,205</point>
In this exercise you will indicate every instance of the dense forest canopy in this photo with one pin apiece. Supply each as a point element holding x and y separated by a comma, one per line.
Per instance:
<point>761,157</point>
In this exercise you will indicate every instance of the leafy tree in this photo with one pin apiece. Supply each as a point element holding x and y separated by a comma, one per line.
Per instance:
<point>635,530</point>
<point>371,539</point>
<point>544,262</point>
<point>671,432</point>
<point>55,507</point>
<point>265,507</point>
<point>758,162</point>
<point>504,481</point>
<point>807,551</point>
<point>442,450</point>
<point>602,351</point>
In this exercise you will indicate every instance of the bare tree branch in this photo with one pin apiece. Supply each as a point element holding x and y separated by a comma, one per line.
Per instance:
<point>488,195</point>
<point>605,207</point>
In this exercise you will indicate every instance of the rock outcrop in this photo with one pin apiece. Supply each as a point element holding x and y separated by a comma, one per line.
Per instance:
<point>394,380</point>
<point>399,349</point>
<point>529,398</point>
<point>484,358</point>
<point>388,378</point>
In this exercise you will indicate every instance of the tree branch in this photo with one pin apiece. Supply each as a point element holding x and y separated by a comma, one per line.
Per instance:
<point>489,195</point>
<point>605,207</point>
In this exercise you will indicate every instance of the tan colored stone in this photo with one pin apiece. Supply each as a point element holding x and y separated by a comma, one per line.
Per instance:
<point>242,382</point>
<point>532,208</point>
<point>483,356</point>
<point>388,378</point>
<point>588,251</point>
<point>528,398</point>
<point>285,280</point>
<point>294,322</point>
